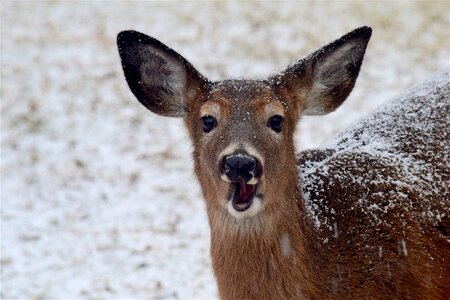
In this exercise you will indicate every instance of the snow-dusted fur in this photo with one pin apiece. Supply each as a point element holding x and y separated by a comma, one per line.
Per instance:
<point>378,197</point>
<point>366,218</point>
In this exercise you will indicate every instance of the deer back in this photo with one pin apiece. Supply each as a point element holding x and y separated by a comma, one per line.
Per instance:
<point>379,197</point>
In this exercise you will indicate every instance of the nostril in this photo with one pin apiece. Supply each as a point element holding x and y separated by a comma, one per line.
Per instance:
<point>226,167</point>
<point>249,165</point>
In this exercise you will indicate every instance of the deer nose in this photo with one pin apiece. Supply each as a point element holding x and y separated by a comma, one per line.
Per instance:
<point>239,167</point>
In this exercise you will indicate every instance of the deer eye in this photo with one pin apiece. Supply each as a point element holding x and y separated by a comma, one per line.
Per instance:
<point>209,123</point>
<point>275,123</point>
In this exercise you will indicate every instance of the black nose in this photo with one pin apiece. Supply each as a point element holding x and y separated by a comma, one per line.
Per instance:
<point>239,166</point>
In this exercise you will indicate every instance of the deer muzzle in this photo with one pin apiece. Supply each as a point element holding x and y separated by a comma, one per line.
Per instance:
<point>242,171</point>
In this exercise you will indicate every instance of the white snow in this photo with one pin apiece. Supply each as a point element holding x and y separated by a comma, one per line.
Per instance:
<point>98,197</point>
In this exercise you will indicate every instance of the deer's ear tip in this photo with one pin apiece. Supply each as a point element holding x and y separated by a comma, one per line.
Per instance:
<point>365,28</point>
<point>129,36</point>
<point>363,32</point>
<point>132,38</point>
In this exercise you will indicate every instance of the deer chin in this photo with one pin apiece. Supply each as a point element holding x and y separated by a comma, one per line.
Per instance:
<point>244,201</point>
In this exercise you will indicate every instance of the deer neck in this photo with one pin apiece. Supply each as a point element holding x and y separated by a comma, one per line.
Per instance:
<point>251,257</point>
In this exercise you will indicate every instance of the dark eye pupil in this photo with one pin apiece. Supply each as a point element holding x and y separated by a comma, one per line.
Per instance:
<point>275,123</point>
<point>208,123</point>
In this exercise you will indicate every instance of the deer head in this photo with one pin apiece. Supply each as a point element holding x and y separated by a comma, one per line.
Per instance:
<point>242,130</point>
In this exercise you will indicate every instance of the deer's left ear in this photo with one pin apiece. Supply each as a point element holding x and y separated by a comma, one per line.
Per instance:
<point>160,78</point>
<point>320,82</point>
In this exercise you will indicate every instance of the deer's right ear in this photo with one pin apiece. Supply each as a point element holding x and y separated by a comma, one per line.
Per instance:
<point>160,78</point>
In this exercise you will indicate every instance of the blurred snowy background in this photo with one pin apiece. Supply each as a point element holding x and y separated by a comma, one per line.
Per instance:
<point>98,196</point>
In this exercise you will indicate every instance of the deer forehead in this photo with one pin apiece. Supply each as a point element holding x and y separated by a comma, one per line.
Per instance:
<point>237,99</point>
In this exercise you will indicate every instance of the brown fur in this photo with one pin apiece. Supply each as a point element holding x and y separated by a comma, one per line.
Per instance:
<point>323,238</point>
<point>402,257</point>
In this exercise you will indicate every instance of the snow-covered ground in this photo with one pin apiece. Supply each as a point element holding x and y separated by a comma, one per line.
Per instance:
<point>98,197</point>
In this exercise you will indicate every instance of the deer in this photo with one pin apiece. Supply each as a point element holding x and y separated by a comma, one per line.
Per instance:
<point>366,217</point>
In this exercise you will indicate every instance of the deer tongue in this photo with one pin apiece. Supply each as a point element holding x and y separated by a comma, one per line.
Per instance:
<point>245,192</point>
<point>243,196</point>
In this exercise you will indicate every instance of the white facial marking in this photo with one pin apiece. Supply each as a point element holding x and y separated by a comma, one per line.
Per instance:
<point>210,108</point>
<point>230,149</point>
<point>275,108</point>
<point>253,152</point>
<point>253,181</point>
<point>254,209</point>
<point>225,178</point>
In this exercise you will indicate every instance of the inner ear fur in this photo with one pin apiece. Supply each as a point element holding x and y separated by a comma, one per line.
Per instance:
<point>319,83</point>
<point>160,78</point>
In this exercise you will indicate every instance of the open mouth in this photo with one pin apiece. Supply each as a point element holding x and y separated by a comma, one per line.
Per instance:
<point>243,195</point>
